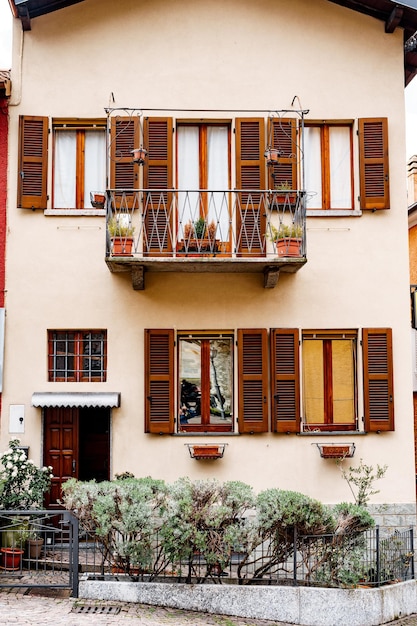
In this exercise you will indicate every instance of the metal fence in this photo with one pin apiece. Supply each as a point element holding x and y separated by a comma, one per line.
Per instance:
<point>39,549</point>
<point>374,558</point>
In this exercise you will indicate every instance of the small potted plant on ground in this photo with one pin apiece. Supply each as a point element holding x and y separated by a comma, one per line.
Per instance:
<point>288,239</point>
<point>22,487</point>
<point>121,232</point>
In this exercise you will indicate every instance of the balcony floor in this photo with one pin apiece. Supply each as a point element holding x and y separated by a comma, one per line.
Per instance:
<point>270,268</point>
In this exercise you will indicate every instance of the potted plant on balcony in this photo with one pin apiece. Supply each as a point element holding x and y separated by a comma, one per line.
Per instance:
<point>199,236</point>
<point>284,194</point>
<point>288,239</point>
<point>121,233</point>
<point>97,199</point>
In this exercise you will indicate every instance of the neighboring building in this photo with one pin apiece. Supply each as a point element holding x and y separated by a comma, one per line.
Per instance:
<point>253,116</point>
<point>5,88</point>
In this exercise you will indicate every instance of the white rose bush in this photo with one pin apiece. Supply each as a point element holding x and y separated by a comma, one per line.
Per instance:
<point>22,483</point>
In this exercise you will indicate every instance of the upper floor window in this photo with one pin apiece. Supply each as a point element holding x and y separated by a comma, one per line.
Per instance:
<point>200,158</point>
<point>79,162</point>
<point>77,355</point>
<point>328,165</point>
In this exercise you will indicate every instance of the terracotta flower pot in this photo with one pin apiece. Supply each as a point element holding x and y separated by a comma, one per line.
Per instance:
<point>122,246</point>
<point>11,558</point>
<point>289,246</point>
<point>34,548</point>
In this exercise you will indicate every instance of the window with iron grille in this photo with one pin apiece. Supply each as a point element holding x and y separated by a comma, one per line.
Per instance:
<point>77,355</point>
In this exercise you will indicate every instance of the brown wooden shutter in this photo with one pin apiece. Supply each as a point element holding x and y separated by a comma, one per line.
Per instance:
<point>159,381</point>
<point>33,162</point>
<point>285,379</point>
<point>158,133</point>
<point>124,136</point>
<point>250,175</point>
<point>283,134</point>
<point>373,163</point>
<point>253,380</point>
<point>378,388</point>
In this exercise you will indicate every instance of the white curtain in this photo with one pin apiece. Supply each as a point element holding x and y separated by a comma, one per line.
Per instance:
<point>312,166</point>
<point>64,171</point>
<point>95,164</point>
<point>340,176</point>
<point>218,179</point>
<point>188,175</point>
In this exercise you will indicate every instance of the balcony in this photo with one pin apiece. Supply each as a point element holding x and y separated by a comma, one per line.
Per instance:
<point>233,231</point>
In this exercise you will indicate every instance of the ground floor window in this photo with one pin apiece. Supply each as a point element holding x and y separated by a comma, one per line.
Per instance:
<point>283,380</point>
<point>77,355</point>
<point>330,380</point>
<point>206,383</point>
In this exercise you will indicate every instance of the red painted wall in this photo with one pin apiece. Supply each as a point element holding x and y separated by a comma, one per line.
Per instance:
<point>3,191</point>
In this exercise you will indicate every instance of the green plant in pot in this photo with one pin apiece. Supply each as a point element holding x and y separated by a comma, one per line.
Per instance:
<point>121,231</point>
<point>288,239</point>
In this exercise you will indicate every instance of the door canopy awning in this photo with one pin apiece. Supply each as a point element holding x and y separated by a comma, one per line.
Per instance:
<point>76,399</point>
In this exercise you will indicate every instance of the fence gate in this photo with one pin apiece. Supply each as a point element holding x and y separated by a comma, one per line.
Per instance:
<point>39,549</point>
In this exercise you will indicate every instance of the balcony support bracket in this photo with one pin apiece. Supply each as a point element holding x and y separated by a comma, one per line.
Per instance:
<point>271,275</point>
<point>138,277</point>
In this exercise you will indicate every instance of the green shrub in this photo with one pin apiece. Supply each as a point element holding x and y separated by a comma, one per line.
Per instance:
<point>124,515</point>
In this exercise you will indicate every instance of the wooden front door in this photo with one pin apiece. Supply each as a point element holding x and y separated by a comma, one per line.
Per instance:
<point>76,445</point>
<point>60,448</point>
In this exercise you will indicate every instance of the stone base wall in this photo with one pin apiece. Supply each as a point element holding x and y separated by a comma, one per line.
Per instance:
<point>306,606</point>
<point>394,516</point>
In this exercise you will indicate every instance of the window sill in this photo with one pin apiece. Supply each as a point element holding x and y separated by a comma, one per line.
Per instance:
<point>332,433</point>
<point>203,433</point>
<point>76,212</point>
<point>333,213</point>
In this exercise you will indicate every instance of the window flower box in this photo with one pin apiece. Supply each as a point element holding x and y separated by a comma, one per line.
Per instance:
<point>206,451</point>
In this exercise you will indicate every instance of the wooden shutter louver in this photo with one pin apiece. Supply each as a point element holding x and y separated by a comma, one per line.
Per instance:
<point>158,175</point>
<point>159,382</point>
<point>250,176</point>
<point>373,163</point>
<point>33,162</point>
<point>285,378</point>
<point>253,380</point>
<point>124,138</point>
<point>283,133</point>
<point>378,379</point>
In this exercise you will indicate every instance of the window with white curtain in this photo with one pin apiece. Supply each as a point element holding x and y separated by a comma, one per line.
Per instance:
<point>79,165</point>
<point>328,165</point>
<point>203,163</point>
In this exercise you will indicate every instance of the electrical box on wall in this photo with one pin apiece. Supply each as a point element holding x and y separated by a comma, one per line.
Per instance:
<point>17,418</point>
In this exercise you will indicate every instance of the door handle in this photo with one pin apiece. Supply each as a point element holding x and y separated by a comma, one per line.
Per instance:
<point>74,464</point>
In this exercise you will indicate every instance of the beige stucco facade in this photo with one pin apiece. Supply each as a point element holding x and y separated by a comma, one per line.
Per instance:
<point>217,58</point>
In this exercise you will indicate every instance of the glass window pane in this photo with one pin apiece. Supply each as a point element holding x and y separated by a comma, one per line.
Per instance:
<point>188,175</point>
<point>95,164</point>
<point>343,381</point>
<point>218,178</point>
<point>312,165</point>
<point>340,168</point>
<point>190,381</point>
<point>221,381</point>
<point>313,381</point>
<point>64,169</point>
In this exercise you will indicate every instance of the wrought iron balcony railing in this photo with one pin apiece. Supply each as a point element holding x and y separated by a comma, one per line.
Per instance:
<point>206,227</point>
